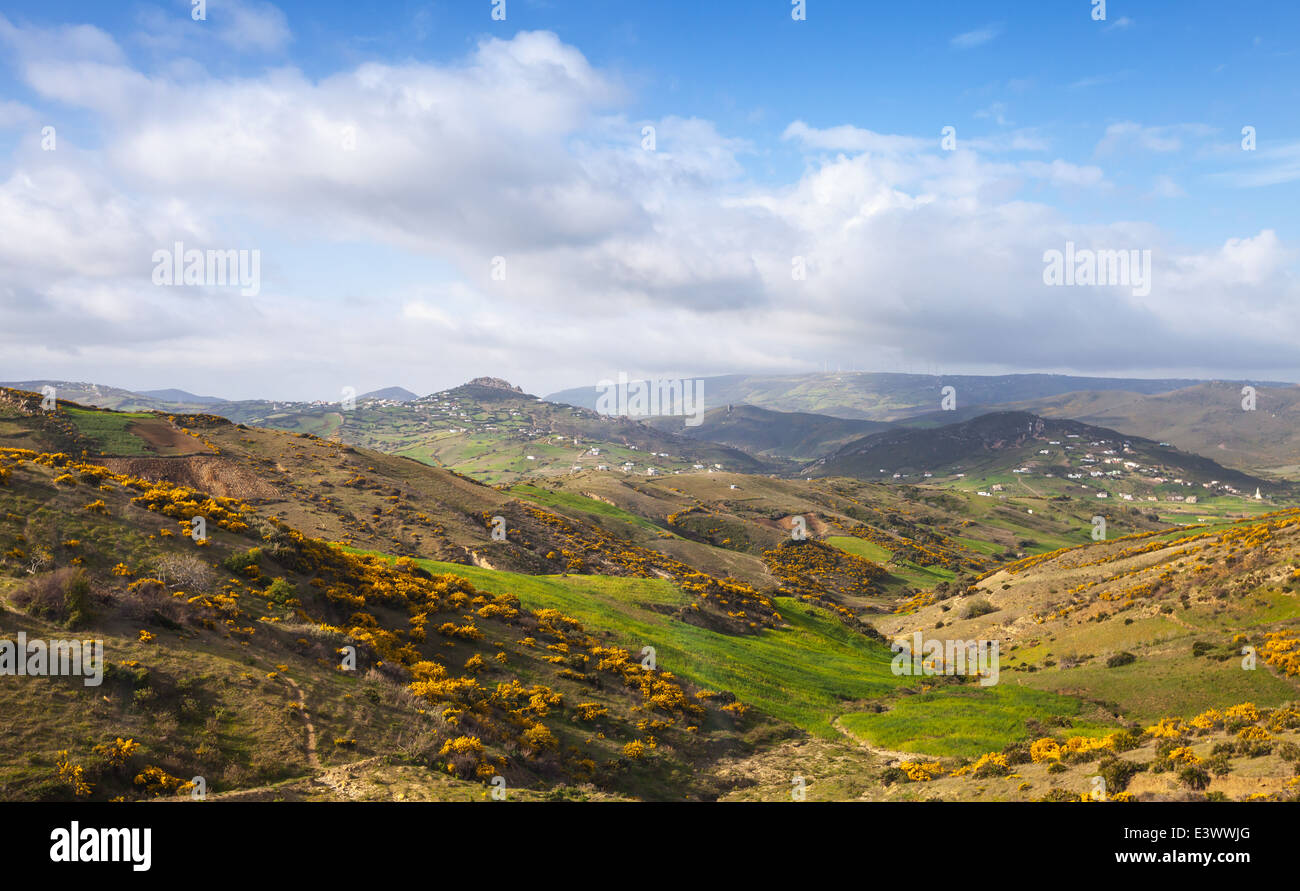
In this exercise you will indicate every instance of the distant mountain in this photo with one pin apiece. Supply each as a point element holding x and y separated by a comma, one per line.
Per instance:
<point>392,394</point>
<point>494,432</point>
<point>1042,449</point>
<point>761,431</point>
<point>889,397</point>
<point>181,397</point>
<point>97,395</point>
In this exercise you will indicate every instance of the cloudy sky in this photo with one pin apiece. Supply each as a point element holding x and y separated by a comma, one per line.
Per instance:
<point>585,188</point>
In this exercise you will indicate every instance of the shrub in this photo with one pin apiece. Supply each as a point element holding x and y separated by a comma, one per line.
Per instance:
<point>243,563</point>
<point>1194,777</point>
<point>1120,659</point>
<point>976,607</point>
<point>1018,753</point>
<point>1117,773</point>
<point>147,601</point>
<point>281,592</point>
<point>62,595</point>
<point>1124,740</point>
<point>891,775</point>
<point>76,599</point>
<point>1219,764</point>
<point>157,781</point>
<point>185,571</point>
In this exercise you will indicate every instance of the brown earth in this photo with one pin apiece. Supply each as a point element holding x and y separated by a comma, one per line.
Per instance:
<point>209,473</point>
<point>165,439</point>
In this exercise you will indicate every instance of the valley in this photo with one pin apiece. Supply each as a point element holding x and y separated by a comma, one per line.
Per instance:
<point>581,627</point>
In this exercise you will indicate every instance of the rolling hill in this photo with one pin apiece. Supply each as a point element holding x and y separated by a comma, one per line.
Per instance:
<point>1001,444</point>
<point>518,657</point>
<point>776,434</point>
<point>1207,419</point>
<point>890,397</point>
<point>496,433</point>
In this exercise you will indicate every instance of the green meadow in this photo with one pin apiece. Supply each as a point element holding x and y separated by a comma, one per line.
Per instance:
<point>109,430</point>
<point>566,501</point>
<point>808,674</point>
<point>968,721</point>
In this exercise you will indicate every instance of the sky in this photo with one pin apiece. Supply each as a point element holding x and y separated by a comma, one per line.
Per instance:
<point>556,192</point>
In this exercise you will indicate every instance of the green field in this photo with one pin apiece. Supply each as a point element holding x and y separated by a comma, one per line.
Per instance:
<point>968,721</point>
<point>917,576</point>
<point>803,674</point>
<point>109,430</point>
<point>808,674</point>
<point>565,501</point>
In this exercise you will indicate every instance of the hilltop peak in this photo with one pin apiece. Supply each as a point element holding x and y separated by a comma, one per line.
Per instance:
<point>493,383</point>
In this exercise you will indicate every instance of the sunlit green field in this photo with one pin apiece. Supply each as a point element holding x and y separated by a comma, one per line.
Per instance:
<point>109,430</point>
<point>968,721</point>
<point>808,674</point>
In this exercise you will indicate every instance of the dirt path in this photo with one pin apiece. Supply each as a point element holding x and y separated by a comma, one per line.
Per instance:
<point>1031,489</point>
<point>313,760</point>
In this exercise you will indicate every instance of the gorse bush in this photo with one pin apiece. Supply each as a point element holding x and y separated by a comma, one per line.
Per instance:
<point>243,562</point>
<point>281,592</point>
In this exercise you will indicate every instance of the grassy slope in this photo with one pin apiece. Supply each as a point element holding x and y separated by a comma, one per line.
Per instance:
<point>802,675</point>
<point>969,721</point>
<point>808,675</point>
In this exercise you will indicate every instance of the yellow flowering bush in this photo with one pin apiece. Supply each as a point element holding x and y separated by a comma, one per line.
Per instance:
<point>72,774</point>
<point>157,781</point>
<point>1045,749</point>
<point>921,771</point>
<point>1168,728</point>
<point>118,751</point>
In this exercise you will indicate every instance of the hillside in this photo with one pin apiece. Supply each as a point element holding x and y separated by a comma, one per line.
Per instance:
<point>497,434</point>
<point>97,395</point>
<point>1206,419</point>
<point>520,658</point>
<point>1044,454</point>
<point>389,394</point>
<point>365,499</point>
<point>759,431</point>
<point>224,660</point>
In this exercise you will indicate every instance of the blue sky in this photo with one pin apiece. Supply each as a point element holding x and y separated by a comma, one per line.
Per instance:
<point>823,134</point>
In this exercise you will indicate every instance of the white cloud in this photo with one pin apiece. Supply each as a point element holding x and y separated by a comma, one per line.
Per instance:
<point>1128,135</point>
<point>978,37</point>
<point>1165,187</point>
<point>616,257</point>
<point>247,26</point>
<point>1271,165</point>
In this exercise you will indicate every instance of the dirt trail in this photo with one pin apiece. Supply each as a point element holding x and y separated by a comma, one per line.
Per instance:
<point>1031,489</point>
<point>890,754</point>
<point>313,760</point>
<point>340,779</point>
